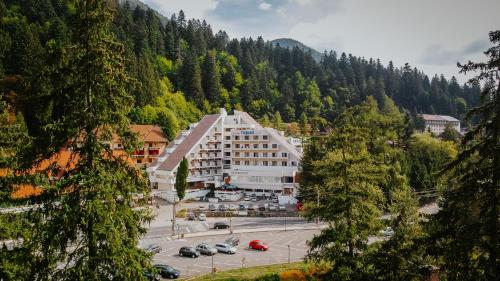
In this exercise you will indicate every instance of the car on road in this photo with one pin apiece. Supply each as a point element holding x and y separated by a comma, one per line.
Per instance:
<point>166,271</point>
<point>282,207</point>
<point>275,200</point>
<point>272,207</point>
<point>206,249</point>
<point>153,248</point>
<point>225,248</point>
<point>258,245</point>
<point>251,207</point>
<point>221,225</point>
<point>246,198</point>
<point>212,207</point>
<point>202,217</point>
<point>223,207</point>
<point>191,216</point>
<point>254,199</point>
<point>388,231</point>
<point>233,241</point>
<point>232,207</point>
<point>188,251</point>
<point>262,207</point>
<point>243,207</point>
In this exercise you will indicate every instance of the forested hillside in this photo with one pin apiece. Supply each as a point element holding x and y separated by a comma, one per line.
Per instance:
<point>182,69</point>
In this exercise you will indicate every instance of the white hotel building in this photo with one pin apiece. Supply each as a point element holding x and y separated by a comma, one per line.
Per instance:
<point>437,123</point>
<point>228,150</point>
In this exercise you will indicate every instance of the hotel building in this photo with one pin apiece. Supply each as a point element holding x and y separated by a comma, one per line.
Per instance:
<point>227,151</point>
<point>437,123</point>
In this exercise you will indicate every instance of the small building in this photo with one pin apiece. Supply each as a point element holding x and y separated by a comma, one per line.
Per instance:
<point>228,150</point>
<point>154,143</point>
<point>437,123</point>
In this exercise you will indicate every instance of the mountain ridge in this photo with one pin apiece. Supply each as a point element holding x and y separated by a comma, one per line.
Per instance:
<point>291,43</point>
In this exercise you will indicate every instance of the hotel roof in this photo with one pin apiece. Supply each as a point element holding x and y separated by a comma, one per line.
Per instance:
<point>430,117</point>
<point>189,142</point>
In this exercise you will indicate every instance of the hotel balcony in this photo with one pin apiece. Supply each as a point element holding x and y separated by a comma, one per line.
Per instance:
<point>138,153</point>
<point>153,151</point>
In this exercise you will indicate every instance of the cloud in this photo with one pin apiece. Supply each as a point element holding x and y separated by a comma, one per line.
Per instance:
<point>264,6</point>
<point>436,54</point>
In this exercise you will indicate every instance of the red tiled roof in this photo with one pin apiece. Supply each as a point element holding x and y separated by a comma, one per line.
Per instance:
<point>187,144</point>
<point>147,133</point>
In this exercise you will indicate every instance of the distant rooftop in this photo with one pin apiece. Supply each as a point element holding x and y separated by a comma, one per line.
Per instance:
<point>430,117</point>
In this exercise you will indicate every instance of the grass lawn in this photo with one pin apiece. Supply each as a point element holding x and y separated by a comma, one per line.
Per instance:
<point>249,273</point>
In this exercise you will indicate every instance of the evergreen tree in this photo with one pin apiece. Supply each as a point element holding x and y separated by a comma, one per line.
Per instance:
<point>180,187</point>
<point>168,123</point>
<point>211,77</point>
<point>467,228</point>
<point>192,79</point>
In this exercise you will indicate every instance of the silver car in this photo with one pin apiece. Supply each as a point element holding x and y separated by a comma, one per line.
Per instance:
<point>206,249</point>
<point>225,248</point>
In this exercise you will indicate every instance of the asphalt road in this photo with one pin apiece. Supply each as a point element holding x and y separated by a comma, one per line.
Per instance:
<point>278,251</point>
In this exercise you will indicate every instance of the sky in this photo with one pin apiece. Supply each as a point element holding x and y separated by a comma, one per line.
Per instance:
<point>432,35</point>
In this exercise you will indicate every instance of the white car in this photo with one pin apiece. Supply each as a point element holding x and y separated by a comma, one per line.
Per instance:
<point>232,207</point>
<point>282,207</point>
<point>272,207</point>
<point>225,248</point>
<point>246,198</point>
<point>202,217</point>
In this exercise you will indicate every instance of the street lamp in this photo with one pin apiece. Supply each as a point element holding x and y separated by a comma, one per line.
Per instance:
<point>230,225</point>
<point>288,253</point>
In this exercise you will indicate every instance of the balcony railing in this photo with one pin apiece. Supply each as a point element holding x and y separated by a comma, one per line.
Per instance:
<point>154,150</point>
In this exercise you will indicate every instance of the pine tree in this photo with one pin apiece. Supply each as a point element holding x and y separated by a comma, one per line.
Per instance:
<point>89,225</point>
<point>180,186</point>
<point>467,228</point>
<point>192,79</point>
<point>211,77</point>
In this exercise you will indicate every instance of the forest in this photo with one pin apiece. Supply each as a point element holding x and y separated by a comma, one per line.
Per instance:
<point>182,69</point>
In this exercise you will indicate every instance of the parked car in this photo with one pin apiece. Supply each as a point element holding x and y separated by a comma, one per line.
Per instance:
<point>206,249</point>
<point>251,207</point>
<point>202,217</point>
<point>212,207</point>
<point>262,207</point>
<point>258,245</point>
<point>225,248</point>
<point>233,241</point>
<point>223,207</point>
<point>275,200</point>
<point>151,276</point>
<point>221,225</point>
<point>272,207</point>
<point>243,207</point>
<point>153,248</point>
<point>232,207</point>
<point>166,271</point>
<point>187,251</point>
<point>388,231</point>
<point>201,207</point>
<point>282,207</point>
<point>191,216</point>
<point>254,199</point>
<point>246,198</point>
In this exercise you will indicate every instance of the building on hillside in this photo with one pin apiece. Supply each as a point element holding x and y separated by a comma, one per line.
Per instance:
<point>227,151</point>
<point>297,142</point>
<point>437,123</point>
<point>154,143</point>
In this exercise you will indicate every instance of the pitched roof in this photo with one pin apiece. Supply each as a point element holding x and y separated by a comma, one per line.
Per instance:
<point>430,117</point>
<point>149,133</point>
<point>189,142</point>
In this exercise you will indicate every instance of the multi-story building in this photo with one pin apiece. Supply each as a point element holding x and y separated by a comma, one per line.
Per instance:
<point>154,143</point>
<point>437,123</point>
<point>229,150</point>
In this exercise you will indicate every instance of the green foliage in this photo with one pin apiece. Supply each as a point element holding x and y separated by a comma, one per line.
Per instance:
<point>181,178</point>
<point>450,134</point>
<point>168,123</point>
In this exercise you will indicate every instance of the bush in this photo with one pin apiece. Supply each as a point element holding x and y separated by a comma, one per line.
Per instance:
<point>181,213</point>
<point>293,275</point>
<point>269,277</point>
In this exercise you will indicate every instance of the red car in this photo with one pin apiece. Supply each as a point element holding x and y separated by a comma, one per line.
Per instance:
<point>258,245</point>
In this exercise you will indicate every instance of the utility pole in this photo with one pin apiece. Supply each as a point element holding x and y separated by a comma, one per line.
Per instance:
<point>173,217</point>
<point>317,202</point>
<point>288,253</point>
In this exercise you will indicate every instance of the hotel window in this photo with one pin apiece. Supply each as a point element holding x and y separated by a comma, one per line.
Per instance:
<point>201,146</point>
<point>265,145</point>
<point>247,163</point>
<point>237,154</point>
<point>255,137</point>
<point>236,137</point>
<point>255,145</point>
<point>247,145</point>
<point>264,154</point>
<point>237,162</point>
<point>264,137</point>
<point>227,145</point>
<point>275,145</point>
<point>256,163</point>
<point>237,145</point>
<point>294,163</point>
<point>284,163</point>
<point>265,163</point>
<point>227,153</point>
<point>255,154</point>
<point>201,172</point>
<point>247,154</point>
<point>275,163</point>
<point>228,129</point>
<point>284,154</point>
<point>247,137</point>
<point>192,155</point>
<point>228,137</point>
<point>273,154</point>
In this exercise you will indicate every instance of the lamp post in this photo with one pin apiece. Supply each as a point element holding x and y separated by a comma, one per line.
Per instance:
<point>230,225</point>
<point>288,253</point>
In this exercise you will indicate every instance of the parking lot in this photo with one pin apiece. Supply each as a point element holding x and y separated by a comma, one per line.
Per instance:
<point>278,252</point>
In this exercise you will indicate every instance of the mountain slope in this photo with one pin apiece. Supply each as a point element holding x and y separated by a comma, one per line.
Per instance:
<point>292,43</point>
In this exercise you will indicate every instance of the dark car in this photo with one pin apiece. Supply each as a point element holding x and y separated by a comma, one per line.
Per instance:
<point>166,271</point>
<point>262,207</point>
<point>153,248</point>
<point>243,207</point>
<point>188,252</point>
<point>191,216</point>
<point>251,207</point>
<point>233,241</point>
<point>221,225</point>
<point>151,276</point>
